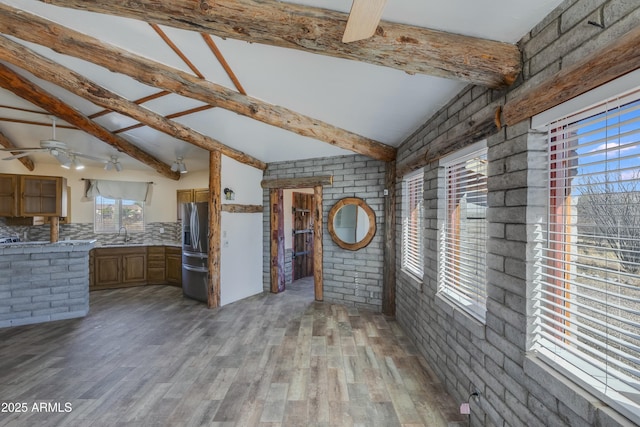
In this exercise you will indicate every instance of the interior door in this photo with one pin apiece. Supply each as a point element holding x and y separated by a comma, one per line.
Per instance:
<point>302,235</point>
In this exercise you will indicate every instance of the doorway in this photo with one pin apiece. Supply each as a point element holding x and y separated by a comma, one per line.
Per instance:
<point>302,235</point>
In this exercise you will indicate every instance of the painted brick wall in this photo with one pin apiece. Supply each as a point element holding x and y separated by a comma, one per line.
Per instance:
<point>516,389</point>
<point>350,277</point>
<point>43,282</point>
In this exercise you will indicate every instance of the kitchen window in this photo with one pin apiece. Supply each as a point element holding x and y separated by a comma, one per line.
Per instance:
<point>412,202</point>
<point>112,214</point>
<point>587,297</point>
<point>463,237</point>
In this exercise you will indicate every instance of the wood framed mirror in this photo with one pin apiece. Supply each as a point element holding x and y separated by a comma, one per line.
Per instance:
<point>352,223</point>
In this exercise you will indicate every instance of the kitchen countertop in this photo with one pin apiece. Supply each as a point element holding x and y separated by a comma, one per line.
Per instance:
<point>44,246</point>
<point>171,243</point>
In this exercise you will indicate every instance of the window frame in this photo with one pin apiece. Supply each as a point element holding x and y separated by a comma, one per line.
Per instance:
<point>119,209</point>
<point>472,302</point>
<point>412,262</point>
<point>582,369</point>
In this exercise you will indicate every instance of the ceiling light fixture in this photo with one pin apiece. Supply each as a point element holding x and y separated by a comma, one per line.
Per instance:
<point>178,165</point>
<point>113,163</point>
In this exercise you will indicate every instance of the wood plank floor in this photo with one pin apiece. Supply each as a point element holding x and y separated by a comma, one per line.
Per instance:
<point>148,356</point>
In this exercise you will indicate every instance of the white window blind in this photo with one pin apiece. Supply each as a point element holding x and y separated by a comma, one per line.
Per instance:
<point>464,235</point>
<point>587,301</point>
<point>412,202</point>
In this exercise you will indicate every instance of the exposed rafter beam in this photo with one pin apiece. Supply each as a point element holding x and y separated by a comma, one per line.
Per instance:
<point>22,87</point>
<point>35,29</point>
<point>50,71</point>
<point>409,48</point>
<point>6,143</point>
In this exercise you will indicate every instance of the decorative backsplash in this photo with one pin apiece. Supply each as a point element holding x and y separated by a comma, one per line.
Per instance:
<point>84,231</point>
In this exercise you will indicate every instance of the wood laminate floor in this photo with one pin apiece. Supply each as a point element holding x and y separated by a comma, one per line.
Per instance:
<point>147,356</point>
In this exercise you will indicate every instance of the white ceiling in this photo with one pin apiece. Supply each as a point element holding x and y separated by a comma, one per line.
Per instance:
<point>377,102</point>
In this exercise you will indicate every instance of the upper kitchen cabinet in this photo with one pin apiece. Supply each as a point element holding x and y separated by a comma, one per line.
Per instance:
<point>8,195</point>
<point>190,195</point>
<point>42,196</point>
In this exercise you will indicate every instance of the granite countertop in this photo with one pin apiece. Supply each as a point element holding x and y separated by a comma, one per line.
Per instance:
<point>172,243</point>
<point>45,246</point>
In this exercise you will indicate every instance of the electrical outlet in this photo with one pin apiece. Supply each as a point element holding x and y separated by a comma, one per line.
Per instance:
<point>161,230</point>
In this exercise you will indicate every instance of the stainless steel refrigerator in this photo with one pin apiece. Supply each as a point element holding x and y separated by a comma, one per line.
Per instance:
<point>195,249</point>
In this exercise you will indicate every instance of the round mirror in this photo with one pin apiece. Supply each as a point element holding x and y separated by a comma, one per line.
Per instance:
<point>352,223</point>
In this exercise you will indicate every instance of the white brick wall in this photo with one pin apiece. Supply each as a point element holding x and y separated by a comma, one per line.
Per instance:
<point>350,277</point>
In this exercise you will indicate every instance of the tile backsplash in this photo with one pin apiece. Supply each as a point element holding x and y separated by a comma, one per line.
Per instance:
<point>84,231</point>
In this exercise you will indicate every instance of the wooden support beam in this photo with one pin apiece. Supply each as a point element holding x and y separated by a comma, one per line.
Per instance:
<point>614,60</point>
<point>54,229</point>
<point>389,268</point>
<point>25,89</point>
<point>215,227</point>
<point>306,182</point>
<point>50,71</point>
<point>317,243</point>
<point>35,29</point>
<point>6,143</point>
<point>236,208</point>
<point>461,135</point>
<point>276,206</point>
<point>405,47</point>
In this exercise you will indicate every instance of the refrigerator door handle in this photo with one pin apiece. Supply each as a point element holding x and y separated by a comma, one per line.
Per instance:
<point>196,269</point>
<point>195,227</point>
<point>200,255</point>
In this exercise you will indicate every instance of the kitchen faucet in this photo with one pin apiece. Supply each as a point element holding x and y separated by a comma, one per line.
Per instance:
<point>126,236</point>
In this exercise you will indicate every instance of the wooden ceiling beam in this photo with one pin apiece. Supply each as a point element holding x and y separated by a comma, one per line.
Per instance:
<point>61,39</point>
<point>50,71</point>
<point>25,89</point>
<point>7,143</point>
<point>405,47</point>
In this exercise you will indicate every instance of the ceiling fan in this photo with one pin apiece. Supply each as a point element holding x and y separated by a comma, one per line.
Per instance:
<point>363,19</point>
<point>58,149</point>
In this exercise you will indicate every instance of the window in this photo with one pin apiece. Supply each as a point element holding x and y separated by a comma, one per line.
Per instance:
<point>464,233</point>
<point>412,201</point>
<point>112,214</point>
<point>587,298</point>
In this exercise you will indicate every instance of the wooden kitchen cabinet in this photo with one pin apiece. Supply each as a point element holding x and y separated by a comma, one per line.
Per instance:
<point>42,196</point>
<point>119,267</point>
<point>173,266</point>
<point>190,195</point>
<point>8,195</point>
<point>155,265</point>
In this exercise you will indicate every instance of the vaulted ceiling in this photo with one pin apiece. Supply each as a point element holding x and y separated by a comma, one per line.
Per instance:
<point>260,80</point>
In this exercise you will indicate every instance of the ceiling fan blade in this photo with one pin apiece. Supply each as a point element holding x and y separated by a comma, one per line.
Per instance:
<point>363,19</point>
<point>23,149</point>
<point>17,156</point>
<point>87,156</point>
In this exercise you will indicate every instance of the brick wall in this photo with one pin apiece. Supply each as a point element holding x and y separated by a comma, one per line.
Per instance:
<point>516,388</point>
<point>43,282</point>
<point>350,277</point>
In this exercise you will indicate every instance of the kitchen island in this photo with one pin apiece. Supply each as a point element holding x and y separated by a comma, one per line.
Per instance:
<point>42,281</point>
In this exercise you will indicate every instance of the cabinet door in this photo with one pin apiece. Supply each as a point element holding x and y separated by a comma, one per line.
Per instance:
<point>173,265</point>
<point>183,196</point>
<point>40,196</point>
<point>201,195</point>
<point>107,270</point>
<point>134,268</point>
<point>8,195</point>
<point>155,265</point>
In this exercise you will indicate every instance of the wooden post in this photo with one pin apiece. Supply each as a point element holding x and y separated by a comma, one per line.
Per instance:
<point>215,219</point>
<point>389,269</point>
<point>54,230</point>
<point>276,201</point>
<point>317,242</point>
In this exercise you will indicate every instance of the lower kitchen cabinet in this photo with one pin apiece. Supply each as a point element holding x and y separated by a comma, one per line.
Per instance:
<point>173,266</point>
<point>120,267</point>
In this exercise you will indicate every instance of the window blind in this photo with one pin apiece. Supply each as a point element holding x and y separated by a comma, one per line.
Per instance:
<point>464,235</point>
<point>587,301</point>
<point>413,200</point>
